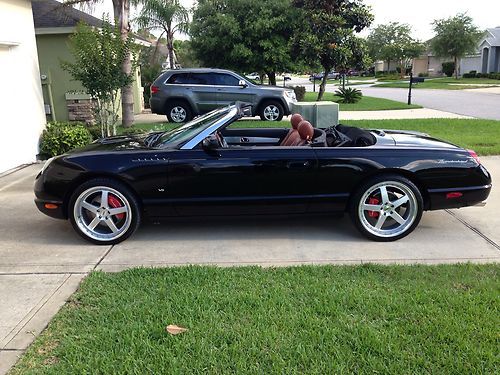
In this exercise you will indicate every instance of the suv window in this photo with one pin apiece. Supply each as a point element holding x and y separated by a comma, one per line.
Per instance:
<point>202,79</point>
<point>179,78</point>
<point>192,79</point>
<point>223,79</point>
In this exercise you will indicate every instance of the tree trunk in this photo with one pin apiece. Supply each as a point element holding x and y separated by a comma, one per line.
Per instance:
<point>402,69</point>
<point>388,66</point>
<point>272,78</point>
<point>322,86</point>
<point>456,67</point>
<point>170,48</point>
<point>121,9</point>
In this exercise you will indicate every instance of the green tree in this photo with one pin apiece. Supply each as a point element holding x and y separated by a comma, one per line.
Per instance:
<point>393,42</point>
<point>244,35</point>
<point>455,37</point>
<point>185,54</point>
<point>97,53</point>
<point>121,14</point>
<point>169,16</point>
<point>326,32</point>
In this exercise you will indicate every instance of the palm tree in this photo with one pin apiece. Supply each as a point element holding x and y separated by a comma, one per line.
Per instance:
<point>169,16</point>
<point>121,13</point>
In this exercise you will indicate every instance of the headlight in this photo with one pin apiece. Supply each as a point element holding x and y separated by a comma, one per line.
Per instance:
<point>47,163</point>
<point>291,95</point>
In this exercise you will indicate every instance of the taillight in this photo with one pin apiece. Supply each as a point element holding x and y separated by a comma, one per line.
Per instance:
<point>154,89</point>
<point>473,154</point>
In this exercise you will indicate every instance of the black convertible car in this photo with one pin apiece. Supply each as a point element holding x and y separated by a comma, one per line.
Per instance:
<point>384,179</point>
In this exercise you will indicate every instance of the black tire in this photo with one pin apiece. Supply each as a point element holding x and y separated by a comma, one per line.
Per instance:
<point>81,218</point>
<point>388,213</point>
<point>182,108</point>
<point>275,107</point>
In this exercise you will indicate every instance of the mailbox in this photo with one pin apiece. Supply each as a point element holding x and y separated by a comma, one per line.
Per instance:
<point>417,79</point>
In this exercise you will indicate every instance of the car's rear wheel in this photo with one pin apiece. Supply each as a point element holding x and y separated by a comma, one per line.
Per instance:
<point>387,208</point>
<point>104,211</point>
<point>271,111</point>
<point>179,111</point>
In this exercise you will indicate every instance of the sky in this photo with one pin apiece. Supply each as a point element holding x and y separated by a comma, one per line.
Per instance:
<point>417,13</point>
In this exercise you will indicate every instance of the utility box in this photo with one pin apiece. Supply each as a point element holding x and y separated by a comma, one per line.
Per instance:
<point>319,114</point>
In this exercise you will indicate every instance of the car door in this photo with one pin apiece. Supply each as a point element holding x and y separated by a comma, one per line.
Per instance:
<point>242,180</point>
<point>204,93</point>
<point>229,90</point>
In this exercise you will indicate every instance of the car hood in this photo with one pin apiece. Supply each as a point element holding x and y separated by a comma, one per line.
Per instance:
<point>415,139</point>
<point>117,143</point>
<point>273,88</point>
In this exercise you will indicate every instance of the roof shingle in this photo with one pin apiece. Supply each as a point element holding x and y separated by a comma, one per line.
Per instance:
<point>51,13</point>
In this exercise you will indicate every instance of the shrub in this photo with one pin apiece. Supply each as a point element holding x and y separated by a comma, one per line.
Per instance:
<point>423,74</point>
<point>448,68</point>
<point>469,75</point>
<point>60,137</point>
<point>349,95</point>
<point>300,92</point>
<point>95,131</point>
<point>479,75</point>
<point>132,131</point>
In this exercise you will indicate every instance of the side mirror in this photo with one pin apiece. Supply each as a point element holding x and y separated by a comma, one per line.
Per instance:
<point>242,83</point>
<point>210,143</point>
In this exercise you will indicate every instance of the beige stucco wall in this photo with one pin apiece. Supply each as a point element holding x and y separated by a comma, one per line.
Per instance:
<point>22,116</point>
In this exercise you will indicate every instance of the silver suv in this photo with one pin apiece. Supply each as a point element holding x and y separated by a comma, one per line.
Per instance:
<point>184,93</point>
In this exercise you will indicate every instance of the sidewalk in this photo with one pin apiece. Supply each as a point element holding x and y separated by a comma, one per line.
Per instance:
<point>420,113</point>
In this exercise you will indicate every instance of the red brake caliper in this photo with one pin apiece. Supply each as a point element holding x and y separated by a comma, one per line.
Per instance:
<point>373,213</point>
<point>115,203</point>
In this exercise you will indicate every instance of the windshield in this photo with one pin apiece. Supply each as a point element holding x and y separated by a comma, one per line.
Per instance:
<point>189,130</point>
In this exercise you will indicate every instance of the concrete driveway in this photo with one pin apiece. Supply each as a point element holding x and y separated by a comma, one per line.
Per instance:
<point>42,260</point>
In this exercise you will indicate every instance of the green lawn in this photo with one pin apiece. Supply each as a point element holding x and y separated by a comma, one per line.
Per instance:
<point>300,320</point>
<point>483,136</point>
<point>444,83</point>
<point>367,103</point>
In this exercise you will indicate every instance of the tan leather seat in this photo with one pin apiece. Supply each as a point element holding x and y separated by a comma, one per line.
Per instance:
<point>292,133</point>
<point>306,134</point>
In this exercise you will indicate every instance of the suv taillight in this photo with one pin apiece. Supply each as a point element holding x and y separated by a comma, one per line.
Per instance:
<point>473,154</point>
<point>154,89</point>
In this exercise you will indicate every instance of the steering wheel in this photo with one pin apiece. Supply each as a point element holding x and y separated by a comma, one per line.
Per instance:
<point>221,139</point>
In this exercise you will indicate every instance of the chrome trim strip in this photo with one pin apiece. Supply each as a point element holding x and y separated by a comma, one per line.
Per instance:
<point>232,140</point>
<point>211,129</point>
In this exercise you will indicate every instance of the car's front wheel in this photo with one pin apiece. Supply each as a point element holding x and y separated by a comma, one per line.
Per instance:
<point>271,111</point>
<point>387,208</point>
<point>178,112</point>
<point>104,211</point>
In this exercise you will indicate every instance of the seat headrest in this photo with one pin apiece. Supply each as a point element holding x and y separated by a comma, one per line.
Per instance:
<point>295,120</point>
<point>306,130</point>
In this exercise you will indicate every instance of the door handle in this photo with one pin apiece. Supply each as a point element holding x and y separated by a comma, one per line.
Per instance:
<point>244,140</point>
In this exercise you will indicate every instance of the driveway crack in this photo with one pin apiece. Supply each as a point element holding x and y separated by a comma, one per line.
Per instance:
<point>102,258</point>
<point>475,230</point>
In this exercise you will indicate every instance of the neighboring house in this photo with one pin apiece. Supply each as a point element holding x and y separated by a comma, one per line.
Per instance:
<point>489,47</point>
<point>21,104</point>
<point>64,98</point>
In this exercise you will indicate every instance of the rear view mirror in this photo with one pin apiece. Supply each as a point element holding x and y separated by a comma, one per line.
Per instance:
<point>210,143</point>
<point>242,83</point>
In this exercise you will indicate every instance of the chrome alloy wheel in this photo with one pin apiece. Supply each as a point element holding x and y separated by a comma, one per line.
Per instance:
<point>102,213</point>
<point>271,112</point>
<point>388,209</point>
<point>178,114</point>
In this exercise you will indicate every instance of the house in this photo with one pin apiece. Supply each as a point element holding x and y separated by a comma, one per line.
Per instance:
<point>489,47</point>
<point>64,98</point>
<point>21,103</point>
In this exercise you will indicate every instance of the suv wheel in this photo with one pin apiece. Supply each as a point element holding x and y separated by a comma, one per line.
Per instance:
<point>271,111</point>
<point>178,111</point>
